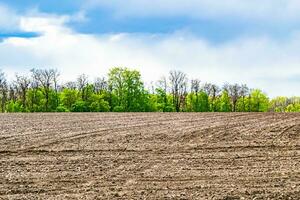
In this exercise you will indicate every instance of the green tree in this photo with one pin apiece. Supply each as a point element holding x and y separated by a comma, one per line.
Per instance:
<point>204,102</point>
<point>128,88</point>
<point>193,100</point>
<point>69,97</point>
<point>293,108</point>
<point>80,106</point>
<point>14,106</point>
<point>98,104</point>
<point>45,78</point>
<point>224,104</point>
<point>199,102</point>
<point>259,101</point>
<point>278,104</point>
<point>35,101</point>
<point>124,91</point>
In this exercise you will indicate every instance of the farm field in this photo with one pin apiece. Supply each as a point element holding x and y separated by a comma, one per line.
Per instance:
<point>150,156</point>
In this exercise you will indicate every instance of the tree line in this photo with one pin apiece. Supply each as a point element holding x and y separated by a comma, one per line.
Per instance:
<point>124,91</point>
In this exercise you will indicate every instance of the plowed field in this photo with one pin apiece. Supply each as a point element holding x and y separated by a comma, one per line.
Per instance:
<point>150,156</point>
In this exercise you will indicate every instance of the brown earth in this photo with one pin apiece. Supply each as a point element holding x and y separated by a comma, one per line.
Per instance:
<point>150,156</point>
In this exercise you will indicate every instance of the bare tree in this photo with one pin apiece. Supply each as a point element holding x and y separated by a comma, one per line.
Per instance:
<point>55,81</point>
<point>244,93</point>
<point>3,91</point>
<point>183,95</point>
<point>70,85</point>
<point>212,91</point>
<point>234,93</point>
<point>206,88</point>
<point>34,85</point>
<point>100,85</point>
<point>178,81</point>
<point>195,89</point>
<point>195,86</point>
<point>22,84</point>
<point>293,100</point>
<point>151,88</point>
<point>162,84</point>
<point>226,87</point>
<point>82,82</point>
<point>12,92</point>
<point>46,79</point>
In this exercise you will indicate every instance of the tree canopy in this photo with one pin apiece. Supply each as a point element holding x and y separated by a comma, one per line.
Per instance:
<point>123,90</point>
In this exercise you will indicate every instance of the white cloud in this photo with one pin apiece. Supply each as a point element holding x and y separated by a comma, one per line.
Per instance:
<point>259,62</point>
<point>9,20</point>
<point>35,21</point>
<point>247,9</point>
<point>44,25</point>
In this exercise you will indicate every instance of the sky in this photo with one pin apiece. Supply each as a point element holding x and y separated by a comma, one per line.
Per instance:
<point>237,41</point>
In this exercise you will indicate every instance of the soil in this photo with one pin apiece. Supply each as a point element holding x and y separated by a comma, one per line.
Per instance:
<point>150,156</point>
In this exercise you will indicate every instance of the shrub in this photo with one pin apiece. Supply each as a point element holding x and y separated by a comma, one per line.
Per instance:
<point>79,106</point>
<point>118,109</point>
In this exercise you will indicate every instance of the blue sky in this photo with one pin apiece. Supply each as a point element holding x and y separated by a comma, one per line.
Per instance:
<point>245,41</point>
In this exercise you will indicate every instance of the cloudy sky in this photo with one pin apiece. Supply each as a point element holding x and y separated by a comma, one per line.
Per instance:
<point>238,41</point>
